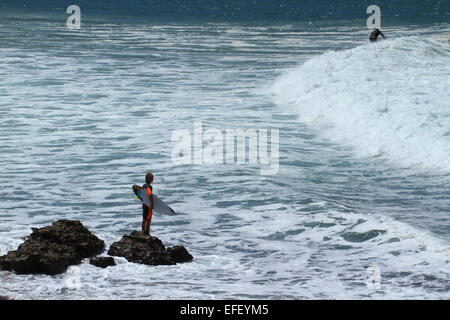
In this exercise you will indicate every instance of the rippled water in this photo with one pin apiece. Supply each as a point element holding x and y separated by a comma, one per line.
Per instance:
<point>363,156</point>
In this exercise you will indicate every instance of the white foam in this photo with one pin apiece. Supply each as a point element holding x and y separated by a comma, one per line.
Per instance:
<point>388,99</point>
<point>251,236</point>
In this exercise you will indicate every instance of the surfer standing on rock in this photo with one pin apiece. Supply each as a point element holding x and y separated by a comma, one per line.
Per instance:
<point>150,202</point>
<point>147,212</point>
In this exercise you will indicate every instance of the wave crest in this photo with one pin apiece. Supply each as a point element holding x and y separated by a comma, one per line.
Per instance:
<point>388,99</point>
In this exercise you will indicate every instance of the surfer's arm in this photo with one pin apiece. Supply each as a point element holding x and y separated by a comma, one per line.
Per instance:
<point>382,35</point>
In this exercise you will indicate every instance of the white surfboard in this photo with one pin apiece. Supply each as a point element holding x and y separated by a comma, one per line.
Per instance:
<point>160,206</point>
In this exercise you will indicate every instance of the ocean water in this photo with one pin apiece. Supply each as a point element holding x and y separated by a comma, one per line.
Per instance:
<point>364,144</point>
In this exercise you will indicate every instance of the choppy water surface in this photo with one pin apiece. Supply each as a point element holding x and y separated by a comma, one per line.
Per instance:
<point>364,149</point>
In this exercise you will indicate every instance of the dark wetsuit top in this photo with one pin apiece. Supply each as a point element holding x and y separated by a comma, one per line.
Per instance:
<point>374,35</point>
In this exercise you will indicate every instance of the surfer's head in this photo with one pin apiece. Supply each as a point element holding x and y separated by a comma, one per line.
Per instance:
<point>149,178</point>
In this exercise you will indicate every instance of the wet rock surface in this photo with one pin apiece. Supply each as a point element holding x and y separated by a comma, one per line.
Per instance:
<point>102,262</point>
<point>52,249</point>
<point>148,250</point>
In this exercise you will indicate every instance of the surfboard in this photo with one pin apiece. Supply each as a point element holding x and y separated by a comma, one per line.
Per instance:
<point>160,206</point>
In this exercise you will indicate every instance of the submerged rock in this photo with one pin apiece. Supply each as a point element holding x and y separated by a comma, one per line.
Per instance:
<point>102,262</point>
<point>148,250</point>
<point>362,236</point>
<point>179,254</point>
<point>52,249</point>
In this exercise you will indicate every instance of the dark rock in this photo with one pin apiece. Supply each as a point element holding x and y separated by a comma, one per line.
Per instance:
<point>102,262</point>
<point>52,249</point>
<point>179,254</point>
<point>149,250</point>
<point>5,298</point>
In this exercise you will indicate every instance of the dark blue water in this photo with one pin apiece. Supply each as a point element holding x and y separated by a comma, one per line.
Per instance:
<point>394,12</point>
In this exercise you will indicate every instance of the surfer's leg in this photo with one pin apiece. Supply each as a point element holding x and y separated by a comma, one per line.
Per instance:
<point>148,220</point>
<point>144,216</point>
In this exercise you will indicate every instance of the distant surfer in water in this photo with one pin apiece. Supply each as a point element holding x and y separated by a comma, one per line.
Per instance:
<point>374,35</point>
<point>147,212</point>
